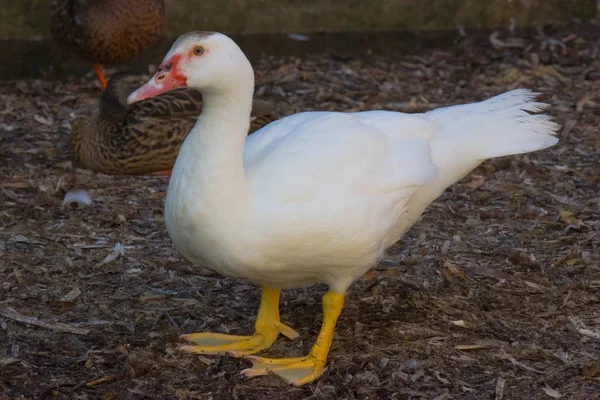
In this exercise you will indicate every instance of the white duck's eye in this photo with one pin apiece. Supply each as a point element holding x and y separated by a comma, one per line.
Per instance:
<point>198,50</point>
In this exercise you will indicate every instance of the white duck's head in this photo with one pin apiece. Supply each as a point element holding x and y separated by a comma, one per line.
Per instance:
<point>207,61</point>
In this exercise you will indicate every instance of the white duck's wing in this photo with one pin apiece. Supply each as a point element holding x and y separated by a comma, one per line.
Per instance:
<point>263,138</point>
<point>352,152</point>
<point>338,180</point>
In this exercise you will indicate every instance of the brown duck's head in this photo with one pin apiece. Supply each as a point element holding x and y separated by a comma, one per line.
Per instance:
<point>113,101</point>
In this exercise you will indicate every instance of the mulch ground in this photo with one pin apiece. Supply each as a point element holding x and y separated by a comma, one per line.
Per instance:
<point>494,294</point>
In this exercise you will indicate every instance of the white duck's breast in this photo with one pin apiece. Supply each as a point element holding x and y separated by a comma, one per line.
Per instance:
<point>202,234</point>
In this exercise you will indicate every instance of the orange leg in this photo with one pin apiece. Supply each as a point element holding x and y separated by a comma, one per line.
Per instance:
<point>100,74</point>
<point>166,172</point>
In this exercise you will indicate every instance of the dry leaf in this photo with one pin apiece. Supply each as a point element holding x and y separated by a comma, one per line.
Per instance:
<point>147,299</point>
<point>455,270</point>
<point>447,275</point>
<point>582,102</point>
<point>158,195</point>
<point>42,120</point>
<point>475,183</point>
<point>111,396</point>
<point>19,276</point>
<point>567,217</point>
<point>71,296</point>
<point>462,324</point>
<point>117,251</point>
<point>591,371</point>
<point>551,392</point>
<point>370,275</point>
<point>205,360</point>
<point>549,70</point>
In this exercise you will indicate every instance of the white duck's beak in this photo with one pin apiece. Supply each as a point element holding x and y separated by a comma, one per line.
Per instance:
<point>166,78</point>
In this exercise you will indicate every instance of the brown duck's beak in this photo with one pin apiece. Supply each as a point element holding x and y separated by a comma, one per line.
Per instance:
<point>166,78</point>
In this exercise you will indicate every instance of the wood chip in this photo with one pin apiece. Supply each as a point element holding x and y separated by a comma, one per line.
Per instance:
<point>568,127</point>
<point>534,285</point>
<point>358,329</point>
<point>107,378</point>
<point>446,247</point>
<point>11,313</point>
<point>526,367</point>
<point>16,185</point>
<point>147,299</point>
<point>471,346</point>
<point>8,361</point>
<point>443,396</point>
<point>205,360</point>
<point>500,383</point>
<point>583,329</point>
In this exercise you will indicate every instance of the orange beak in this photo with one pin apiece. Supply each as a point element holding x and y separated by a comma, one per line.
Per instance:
<point>166,78</point>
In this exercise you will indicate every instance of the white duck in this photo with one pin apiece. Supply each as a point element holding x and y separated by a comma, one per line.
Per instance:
<point>315,197</point>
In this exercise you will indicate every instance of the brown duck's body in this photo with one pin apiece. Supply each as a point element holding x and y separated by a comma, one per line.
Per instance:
<point>143,138</point>
<point>106,31</point>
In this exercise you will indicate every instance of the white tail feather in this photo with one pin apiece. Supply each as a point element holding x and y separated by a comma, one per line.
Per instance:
<point>500,126</point>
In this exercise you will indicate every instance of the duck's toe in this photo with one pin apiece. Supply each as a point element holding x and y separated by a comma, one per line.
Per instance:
<point>297,371</point>
<point>218,343</point>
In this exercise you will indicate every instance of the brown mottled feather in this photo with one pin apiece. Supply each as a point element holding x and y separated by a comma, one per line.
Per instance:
<point>106,31</point>
<point>145,137</point>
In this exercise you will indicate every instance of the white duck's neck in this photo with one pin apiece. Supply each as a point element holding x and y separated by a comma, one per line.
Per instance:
<point>212,154</point>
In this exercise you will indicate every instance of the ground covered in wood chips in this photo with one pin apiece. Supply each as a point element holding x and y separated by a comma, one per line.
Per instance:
<point>494,294</point>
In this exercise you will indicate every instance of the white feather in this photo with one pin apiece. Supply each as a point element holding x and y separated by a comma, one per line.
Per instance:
<point>80,197</point>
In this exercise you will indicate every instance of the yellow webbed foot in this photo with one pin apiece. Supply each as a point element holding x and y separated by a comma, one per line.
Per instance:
<point>303,370</point>
<point>236,346</point>
<point>297,371</point>
<point>267,329</point>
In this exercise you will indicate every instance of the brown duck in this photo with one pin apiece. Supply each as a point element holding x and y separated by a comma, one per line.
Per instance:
<point>106,31</point>
<point>143,138</point>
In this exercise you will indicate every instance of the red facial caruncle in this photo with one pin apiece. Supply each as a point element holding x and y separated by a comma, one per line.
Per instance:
<point>167,77</point>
